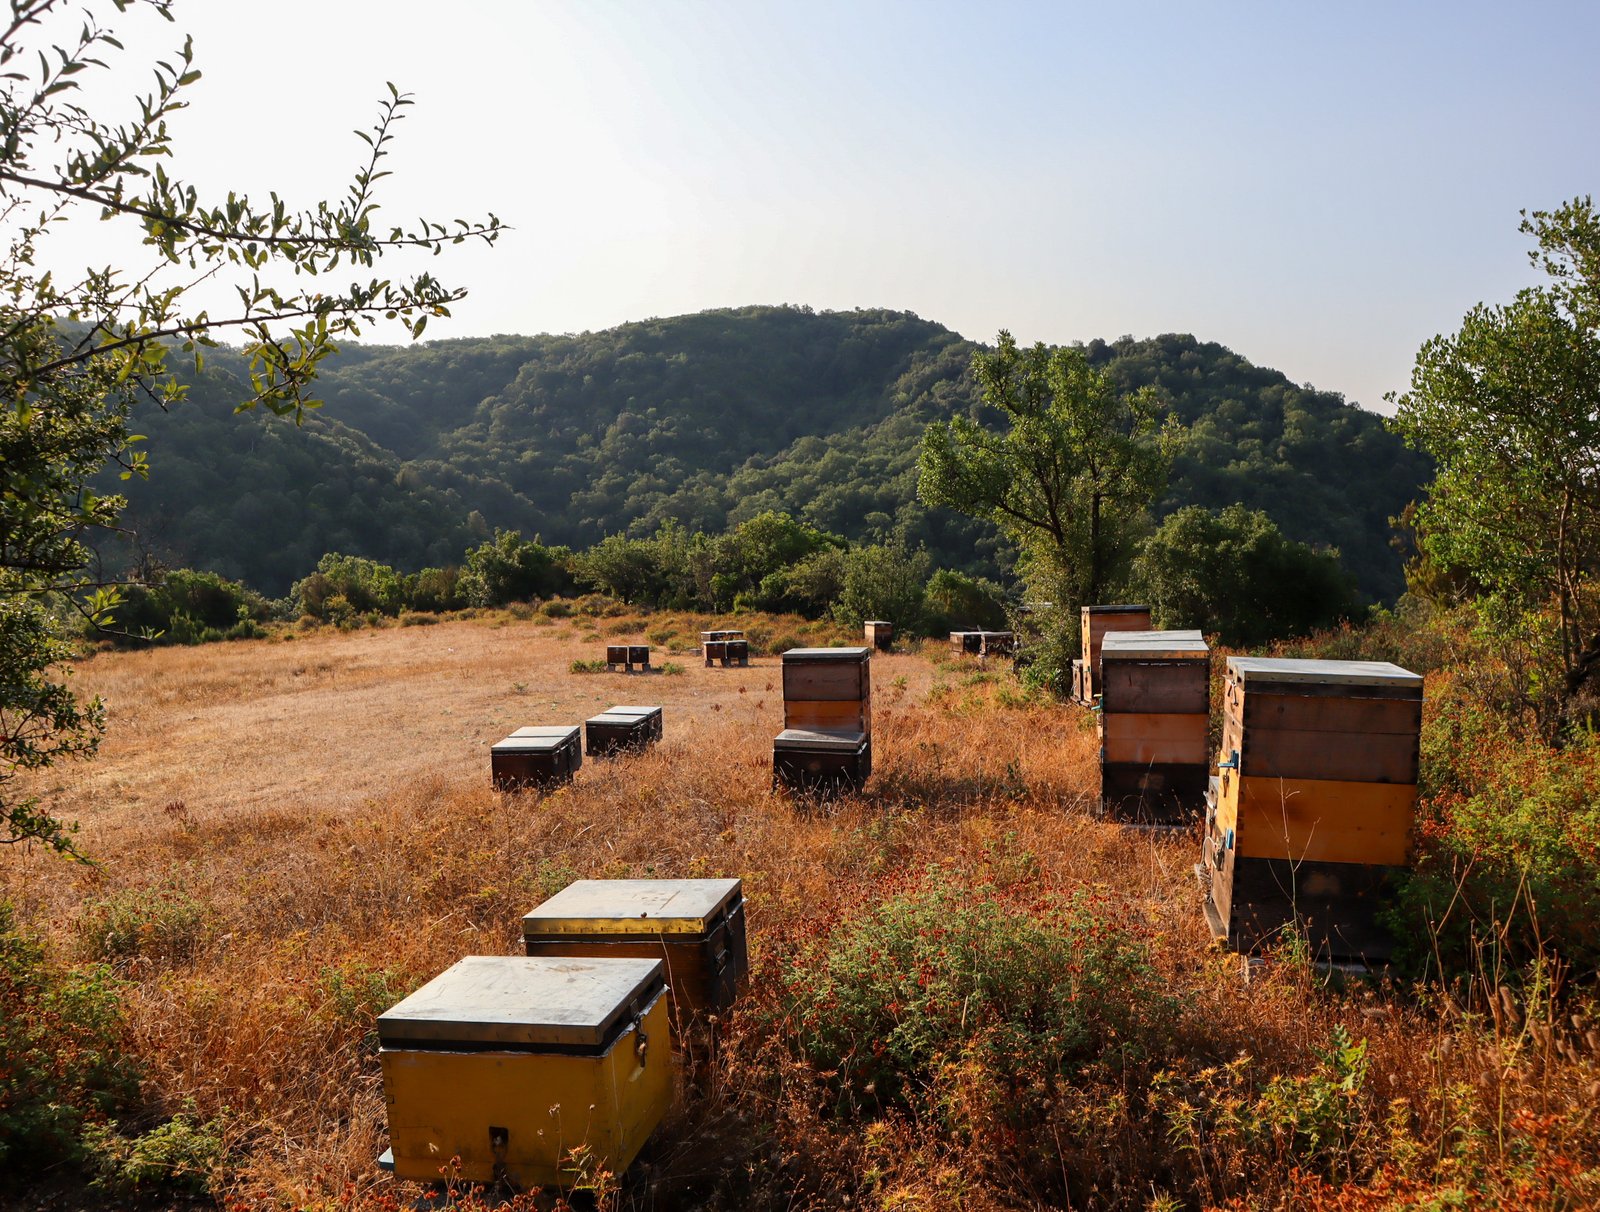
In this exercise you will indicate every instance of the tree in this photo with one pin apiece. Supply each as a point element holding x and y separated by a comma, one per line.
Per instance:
<point>80,352</point>
<point>883,583</point>
<point>1509,407</point>
<point>1068,479</point>
<point>1233,574</point>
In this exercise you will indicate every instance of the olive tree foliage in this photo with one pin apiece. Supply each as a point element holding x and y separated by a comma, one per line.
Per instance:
<point>82,350</point>
<point>1068,475</point>
<point>1509,407</point>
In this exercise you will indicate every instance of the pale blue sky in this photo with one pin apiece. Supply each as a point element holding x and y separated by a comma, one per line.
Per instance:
<point>1320,188</point>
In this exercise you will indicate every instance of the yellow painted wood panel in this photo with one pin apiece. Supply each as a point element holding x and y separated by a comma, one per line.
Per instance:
<point>1318,820</point>
<point>848,713</point>
<point>1154,737</point>
<point>442,1105</point>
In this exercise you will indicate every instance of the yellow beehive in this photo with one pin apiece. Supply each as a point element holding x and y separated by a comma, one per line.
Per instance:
<point>510,1063</point>
<point>1314,802</point>
<point>1155,699</point>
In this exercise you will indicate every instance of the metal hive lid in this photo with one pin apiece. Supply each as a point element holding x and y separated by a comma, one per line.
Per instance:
<point>1326,673</point>
<point>530,744</point>
<point>638,711</point>
<point>555,730</point>
<point>1147,644</point>
<point>648,906</point>
<point>851,653</point>
<point>1124,609</point>
<point>517,1001</point>
<point>848,739</point>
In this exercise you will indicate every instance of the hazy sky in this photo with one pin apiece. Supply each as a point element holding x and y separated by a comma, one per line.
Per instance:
<point>1318,187</point>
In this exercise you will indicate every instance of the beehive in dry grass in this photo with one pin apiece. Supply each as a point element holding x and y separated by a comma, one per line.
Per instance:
<point>627,656</point>
<point>827,719</point>
<point>542,756</point>
<point>879,634</point>
<point>617,729</point>
<point>724,648</point>
<point>510,1063</point>
<point>1314,802</point>
<point>1155,713</point>
<point>695,927</point>
<point>983,643</point>
<point>1097,621</point>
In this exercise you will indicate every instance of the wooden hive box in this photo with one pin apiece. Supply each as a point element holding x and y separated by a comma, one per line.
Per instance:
<point>1097,620</point>
<point>1315,801</point>
<point>616,654</point>
<point>718,647</point>
<point>620,728</point>
<point>536,757</point>
<point>1155,716</point>
<point>737,652</point>
<point>996,643</point>
<point>695,927</point>
<point>879,634</point>
<point>510,1062</point>
<point>827,719</point>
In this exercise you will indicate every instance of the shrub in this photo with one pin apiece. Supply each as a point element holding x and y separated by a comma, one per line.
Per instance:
<point>944,973</point>
<point>557,608</point>
<point>182,1156</point>
<point>597,665</point>
<point>344,587</point>
<point>188,607</point>
<point>435,590</point>
<point>598,606</point>
<point>672,669</point>
<point>64,1058</point>
<point>418,618</point>
<point>143,926</point>
<point>960,602</point>
<point>510,568</point>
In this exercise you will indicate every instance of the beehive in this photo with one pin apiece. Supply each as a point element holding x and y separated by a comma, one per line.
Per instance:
<point>1314,801</point>
<point>695,927</point>
<point>627,655</point>
<point>1097,621</point>
<point>966,642</point>
<point>827,718</point>
<point>536,757</point>
<point>619,728</point>
<point>509,1063</point>
<point>983,643</point>
<point>879,635</point>
<point>1155,713</point>
<point>723,647</point>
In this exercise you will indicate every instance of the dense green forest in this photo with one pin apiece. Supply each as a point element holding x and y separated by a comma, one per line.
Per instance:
<point>709,419</point>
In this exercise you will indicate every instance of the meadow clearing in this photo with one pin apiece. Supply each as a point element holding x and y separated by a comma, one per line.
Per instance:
<point>290,834</point>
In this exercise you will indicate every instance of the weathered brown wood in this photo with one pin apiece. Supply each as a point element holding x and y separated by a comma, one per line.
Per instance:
<point>1097,620</point>
<point>1178,687</point>
<point>1356,757</point>
<point>714,651</point>
<point>816,713</point>
<point>1336,905</point>
<point>517,762</point>
<point>1324,713</point>
<point>821,770</point>
<point>1155,738</point>
<point>825,682</point>
<point>1157,793</point>
<point>737,653</point>
<point>879,634</point>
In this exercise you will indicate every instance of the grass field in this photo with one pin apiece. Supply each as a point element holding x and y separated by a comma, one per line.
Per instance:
<point>291,834</point>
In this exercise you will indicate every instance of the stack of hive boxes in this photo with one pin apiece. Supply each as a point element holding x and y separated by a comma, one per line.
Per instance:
<point>1097,621</point>
<point>1314,801</point>
<point>827,719</point>
<point>1155,712</point>
<point>879,634</point>
<point>724,648</point>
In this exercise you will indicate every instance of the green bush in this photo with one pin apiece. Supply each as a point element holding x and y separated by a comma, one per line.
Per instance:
<point>946,973</point>
<point>182,1156</point>
<point>345,587</point>
<point>64,1053</point>
<point>510,568</point>
<point>188,607</point>
<point>597,665</point>
<point>135,926</point>
<point>958,602</point>
<point>557,608</point>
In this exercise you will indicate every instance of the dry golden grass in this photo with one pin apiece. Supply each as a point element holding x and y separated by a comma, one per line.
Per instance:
<point>326,800</point>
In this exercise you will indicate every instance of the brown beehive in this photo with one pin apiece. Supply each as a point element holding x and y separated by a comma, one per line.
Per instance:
<point>512,1065</point>
<point>1314,801</point>
<point>827,718</point>
<point>1155,715</point>
<point>879,635</point>
<point>536,757</point>
<point>621,728</point>
<point>724,647</point>
<point>627,655</point>
<point>695,927</point>
<point>1097,621</point>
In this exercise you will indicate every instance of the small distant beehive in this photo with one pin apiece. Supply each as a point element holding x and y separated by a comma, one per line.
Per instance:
<point>1097,621</point>
<point>695,927</point>
<point>621,728</point>
<point>997,643</point>
<point>1314,801</point>
<point>827,719</point>
<point>627,655</point>
<point>1155,712</point>
<point>509,1063</point>
<point>536,757</point>
<point>968,642</point>
<point>724,648</point>
<point>879,635</point>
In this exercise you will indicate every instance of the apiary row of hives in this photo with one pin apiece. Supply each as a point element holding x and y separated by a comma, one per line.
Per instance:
<point>534,1070</point>
<point>1309,803</point>
<point>548,755</point>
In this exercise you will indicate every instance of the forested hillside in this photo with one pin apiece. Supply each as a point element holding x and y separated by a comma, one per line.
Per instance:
<point>708,419</point>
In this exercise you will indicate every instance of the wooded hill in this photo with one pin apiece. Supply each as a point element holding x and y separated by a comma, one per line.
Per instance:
<point>709,419</point>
